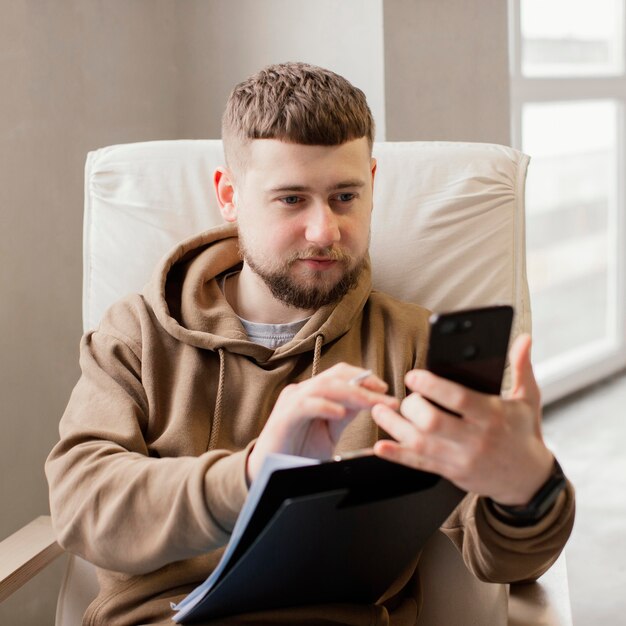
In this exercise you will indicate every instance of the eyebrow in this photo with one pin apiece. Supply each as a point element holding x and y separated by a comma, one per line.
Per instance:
<point>346,184</point>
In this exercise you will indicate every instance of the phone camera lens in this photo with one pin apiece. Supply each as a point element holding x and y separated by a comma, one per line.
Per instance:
<point>466,324</point>
<point>470,352</point>
<point>448,327</point>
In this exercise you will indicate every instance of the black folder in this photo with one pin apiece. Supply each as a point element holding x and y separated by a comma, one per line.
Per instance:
<point>333,532</point>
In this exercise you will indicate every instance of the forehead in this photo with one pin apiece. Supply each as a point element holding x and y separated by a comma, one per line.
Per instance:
<point>273,163</point>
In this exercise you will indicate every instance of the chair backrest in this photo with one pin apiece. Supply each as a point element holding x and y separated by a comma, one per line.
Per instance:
<point>447,232</point>
<point>447,226</point>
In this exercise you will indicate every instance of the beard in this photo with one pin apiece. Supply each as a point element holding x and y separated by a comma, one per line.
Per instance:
<point>314,290</point>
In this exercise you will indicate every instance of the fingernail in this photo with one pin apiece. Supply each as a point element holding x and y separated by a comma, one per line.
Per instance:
<point>378,410</point>
<point>391,401</point>
<point>412,377</point>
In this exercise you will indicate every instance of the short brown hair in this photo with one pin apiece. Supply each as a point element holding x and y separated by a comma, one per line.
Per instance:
<point>296,103</point>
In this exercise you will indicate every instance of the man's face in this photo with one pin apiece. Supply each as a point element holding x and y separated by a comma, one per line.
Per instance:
<point>303,214</point>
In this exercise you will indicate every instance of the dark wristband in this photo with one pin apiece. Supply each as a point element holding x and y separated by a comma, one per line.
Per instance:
<point>538,507</point>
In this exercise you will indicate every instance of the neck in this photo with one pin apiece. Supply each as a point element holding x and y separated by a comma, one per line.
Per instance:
<point>251,299</point>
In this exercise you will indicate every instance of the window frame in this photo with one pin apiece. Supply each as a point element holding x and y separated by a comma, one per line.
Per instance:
<point>579,368</point>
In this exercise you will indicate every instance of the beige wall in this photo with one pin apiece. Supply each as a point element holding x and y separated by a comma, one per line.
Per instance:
<point>80,74</point>
<point>75,75</point>
<point>226,41</point>
<point>446,70</point>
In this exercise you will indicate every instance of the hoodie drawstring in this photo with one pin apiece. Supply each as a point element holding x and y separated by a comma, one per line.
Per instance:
<point>217,413</point>
<point>317,353</point>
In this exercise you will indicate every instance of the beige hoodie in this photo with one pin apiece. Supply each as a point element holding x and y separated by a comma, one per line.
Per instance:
<point>149,475</point>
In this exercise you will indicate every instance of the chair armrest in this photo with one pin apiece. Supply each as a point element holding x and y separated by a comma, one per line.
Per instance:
<point>25,553</point>
<point>543,603</point>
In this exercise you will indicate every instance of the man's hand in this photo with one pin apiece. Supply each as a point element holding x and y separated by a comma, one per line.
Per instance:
<point>495,449</point>
<point>309,417</point>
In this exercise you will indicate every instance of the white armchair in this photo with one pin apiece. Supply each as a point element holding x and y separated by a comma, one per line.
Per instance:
<point>453,213</point>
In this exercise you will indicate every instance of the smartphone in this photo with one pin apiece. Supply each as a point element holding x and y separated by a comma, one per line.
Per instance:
<point>470,347</point>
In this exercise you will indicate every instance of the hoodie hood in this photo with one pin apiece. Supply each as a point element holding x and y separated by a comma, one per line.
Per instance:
<point>189,305</point>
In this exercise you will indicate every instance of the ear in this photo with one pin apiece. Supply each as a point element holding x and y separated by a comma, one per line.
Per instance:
<point>225,193</point>
<point>373,165</point>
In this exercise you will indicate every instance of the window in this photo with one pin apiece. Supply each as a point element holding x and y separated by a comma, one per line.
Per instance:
<point>568,90</point>
<point>571,37</point>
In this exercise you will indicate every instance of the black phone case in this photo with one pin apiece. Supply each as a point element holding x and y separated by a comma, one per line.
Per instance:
<point>470,347</point>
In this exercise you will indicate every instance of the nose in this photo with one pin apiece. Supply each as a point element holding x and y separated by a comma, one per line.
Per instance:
<point>322,228</point>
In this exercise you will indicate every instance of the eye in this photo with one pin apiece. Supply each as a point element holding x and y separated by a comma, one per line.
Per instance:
<point>290,200</point>
<point>346,197</point>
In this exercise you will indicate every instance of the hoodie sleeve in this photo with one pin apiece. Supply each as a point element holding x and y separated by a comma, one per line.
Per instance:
<point>112,503</point>
<point>498,552</point>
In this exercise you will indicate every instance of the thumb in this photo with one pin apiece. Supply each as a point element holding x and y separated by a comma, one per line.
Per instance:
<point>524,386</point>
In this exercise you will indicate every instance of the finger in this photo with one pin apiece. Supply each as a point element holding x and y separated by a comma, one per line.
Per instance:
<point>343,371</point>
<point>449,395</point>
<point>395,452</point>
<point>431,420</point>
<point>351,396</point>
<point>397,427</point>
<point>314,407</point>
<point>373,383</point>
<point>408,435</point>
<point>524,384</point>
<point>357,376</point>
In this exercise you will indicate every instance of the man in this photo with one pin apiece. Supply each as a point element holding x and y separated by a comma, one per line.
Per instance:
<point>245,343</point>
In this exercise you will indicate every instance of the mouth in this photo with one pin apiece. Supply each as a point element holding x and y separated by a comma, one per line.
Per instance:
<point>319,263</point>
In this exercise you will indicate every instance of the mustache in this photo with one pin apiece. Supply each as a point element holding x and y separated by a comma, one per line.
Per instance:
<point>328,254</point>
